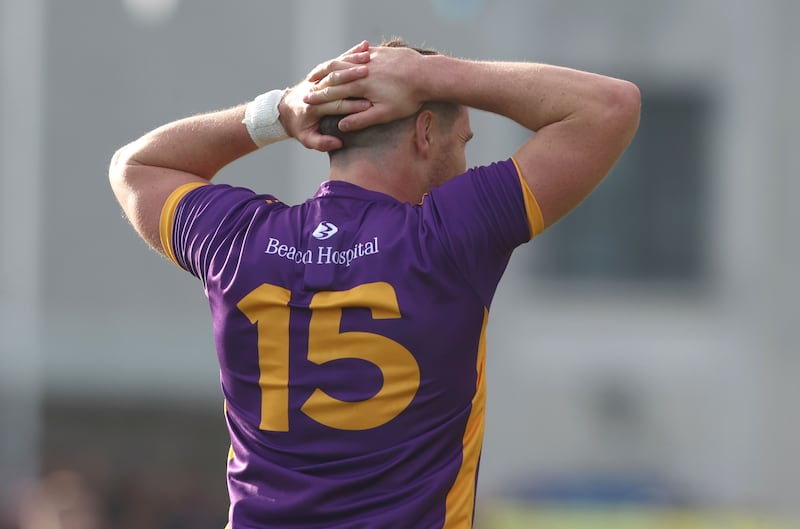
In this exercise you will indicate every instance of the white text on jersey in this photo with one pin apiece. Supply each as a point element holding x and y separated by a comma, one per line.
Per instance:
<point>325,255</point>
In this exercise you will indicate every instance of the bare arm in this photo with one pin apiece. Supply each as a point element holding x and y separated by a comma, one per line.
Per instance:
<point>145,172</point>
<point>582,121</point>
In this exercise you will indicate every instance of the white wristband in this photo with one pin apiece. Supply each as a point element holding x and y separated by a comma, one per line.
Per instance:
<point>261,119</point>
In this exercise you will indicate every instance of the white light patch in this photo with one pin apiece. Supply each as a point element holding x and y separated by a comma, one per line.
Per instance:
<point>150,13</point>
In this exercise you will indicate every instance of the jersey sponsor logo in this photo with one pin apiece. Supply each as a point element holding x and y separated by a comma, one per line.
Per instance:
<point>290,253</point>
<point>323,255</point>
<point>330,255</point>
<point>324,230</point>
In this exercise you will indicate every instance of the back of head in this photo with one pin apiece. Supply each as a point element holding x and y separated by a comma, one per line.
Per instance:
<point>379,137</point>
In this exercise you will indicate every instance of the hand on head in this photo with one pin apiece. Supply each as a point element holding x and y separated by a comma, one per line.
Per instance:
<point>301,119</point>
<point>388,86</point>
<point>368,85</point>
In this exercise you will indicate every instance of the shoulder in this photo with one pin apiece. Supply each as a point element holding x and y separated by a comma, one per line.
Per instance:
<point>497,187</point>
<point>198,211</point>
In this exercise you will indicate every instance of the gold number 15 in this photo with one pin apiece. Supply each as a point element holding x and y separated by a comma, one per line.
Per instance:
<point>267,307</point>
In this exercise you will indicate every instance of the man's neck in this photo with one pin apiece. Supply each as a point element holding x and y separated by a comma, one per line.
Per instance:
<point>395,180</point>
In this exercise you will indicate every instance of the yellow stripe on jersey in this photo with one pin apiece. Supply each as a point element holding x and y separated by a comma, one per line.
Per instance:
<point>167,219</point>
<point>535,218</point>
<point>460,502</point>
<point>231,452</point>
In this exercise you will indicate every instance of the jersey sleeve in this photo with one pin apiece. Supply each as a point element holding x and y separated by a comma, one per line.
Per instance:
<point>480,217</point>
<point>198,220</point>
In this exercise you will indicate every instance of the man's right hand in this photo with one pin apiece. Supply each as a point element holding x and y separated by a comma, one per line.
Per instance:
<point>388,86</point>
<point>300,118</point>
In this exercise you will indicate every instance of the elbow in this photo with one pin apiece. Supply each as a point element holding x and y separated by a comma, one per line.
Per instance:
<point>120,161</point>
<point>117,163</point>
<point>119,174</point>
<point>632,103</point>
<point>116,167</point>
<point>623,108</point>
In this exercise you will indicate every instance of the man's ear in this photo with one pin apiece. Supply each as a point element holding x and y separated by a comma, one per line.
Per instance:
<point>423,132</point>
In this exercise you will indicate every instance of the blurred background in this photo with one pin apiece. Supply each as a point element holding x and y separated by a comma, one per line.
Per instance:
<point>643,358</point>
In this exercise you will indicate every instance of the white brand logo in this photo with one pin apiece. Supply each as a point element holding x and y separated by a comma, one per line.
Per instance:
<point>325,230</point>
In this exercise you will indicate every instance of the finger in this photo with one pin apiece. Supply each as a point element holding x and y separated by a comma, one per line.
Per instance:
<point>361,46</point>
<point>316,74</point>
<point>325,68</point>
<point>340,107</point>
<point>320,71</point>
<point>361,57</point>
<point>358,54</point>
<point>329,93</point>
<point>361,120</point>
<point>320,142</point>
<point>340,77</point>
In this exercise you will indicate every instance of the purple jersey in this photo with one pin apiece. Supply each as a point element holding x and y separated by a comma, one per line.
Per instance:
<point>350,332</point>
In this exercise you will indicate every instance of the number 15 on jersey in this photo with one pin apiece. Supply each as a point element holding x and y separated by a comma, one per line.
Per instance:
<point>267,307</point>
